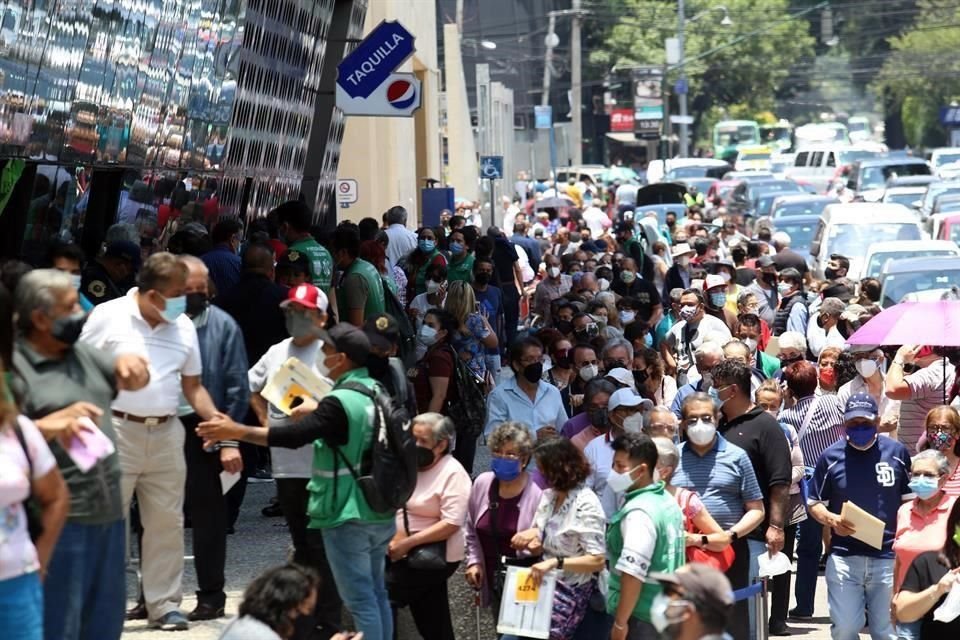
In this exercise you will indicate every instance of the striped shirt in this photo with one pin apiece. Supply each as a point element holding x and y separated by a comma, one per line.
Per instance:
<point>723,478</point>
<point>928,388</point>
<point>825,426</point>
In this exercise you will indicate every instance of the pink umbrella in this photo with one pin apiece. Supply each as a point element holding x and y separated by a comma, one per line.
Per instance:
<point>934,323</point>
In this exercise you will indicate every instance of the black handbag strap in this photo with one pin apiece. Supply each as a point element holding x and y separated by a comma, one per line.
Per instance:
<point>406,521</point>
<point>494,510</point>
<point>26,451</point>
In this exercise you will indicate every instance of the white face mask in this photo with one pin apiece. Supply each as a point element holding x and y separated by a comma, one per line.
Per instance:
<point>620,481</point>
<point>634,423</point>
<point>626,317</point>
<point>589,372</point>
<point>866,368</point>
<point>683,261</point>
<point>428,335</point>
<point>604,284</point>
<point>701,433</point>
<point>75,278</point>
<point>725,276</point>
<point>751,344</point>
<point>321,364</point>
<point>554,272</point>
<point>432,286</point>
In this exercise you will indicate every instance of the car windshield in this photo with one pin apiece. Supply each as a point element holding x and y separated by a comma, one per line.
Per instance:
<point>686,172</point>
<point>762,205</point>
<point>932,196</point>
<point>849,157</point>
<point>753,156</point>
<point>744,134</point>
<point>873,177</point>
<point>895,286</point>
<point>947,158</point>
<point>814,208</point>
<point>765,188</point>
<point>906,199</point>
<point>801,235</point>
<point>853,239</point>
<point>877,260</point>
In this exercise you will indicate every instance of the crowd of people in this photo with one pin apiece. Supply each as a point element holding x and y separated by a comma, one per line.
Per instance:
<point>663,403</point>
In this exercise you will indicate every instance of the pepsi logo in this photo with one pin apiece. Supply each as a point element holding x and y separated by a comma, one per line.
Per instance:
<point>401,94</point>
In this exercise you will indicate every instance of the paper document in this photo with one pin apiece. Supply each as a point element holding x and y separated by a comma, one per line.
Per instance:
<point>525,608</point>
<point>227,480</point>
<point>869,528</point>
<point>89,446</point>
<point>950,609</point>
<point>291,381</point>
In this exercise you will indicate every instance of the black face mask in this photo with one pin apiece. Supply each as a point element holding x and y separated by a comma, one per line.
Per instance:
<point>640,377</point>
<point>304,627</point>
<point>821,321</point>
<point>830,274</point>
<point>424,457</point>
<point>562,360</point>
<point>784,362</point>
<point>581,335</point>
<point>482,278</point>
<point>564,326</point>
<point>533,372</point>
<point>610,365</point>
<point>67,329</point>
<point>197,303</point>
<point>770,279</point>
<point>378,366</point>
<point>598,418</point>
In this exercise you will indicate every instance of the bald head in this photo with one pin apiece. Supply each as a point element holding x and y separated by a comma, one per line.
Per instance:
<point>258,258</point>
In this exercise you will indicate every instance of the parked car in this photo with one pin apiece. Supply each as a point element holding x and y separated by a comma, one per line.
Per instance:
<point>934,191</point>
<point>786,205</point>
<point>913,276</point>
<point>868,178</point>
<point>879,252</point>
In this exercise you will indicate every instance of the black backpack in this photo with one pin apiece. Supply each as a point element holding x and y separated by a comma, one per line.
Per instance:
<point>407,348</point>
<point>389,471</point>
<point>468,406</point>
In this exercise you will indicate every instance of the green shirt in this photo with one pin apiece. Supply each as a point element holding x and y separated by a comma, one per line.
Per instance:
<point>460,270</point>
<point>44,386</point>
<point>321,262</point>
<point>768,364</point>
<point>361,287</point>
<point>669,551</point>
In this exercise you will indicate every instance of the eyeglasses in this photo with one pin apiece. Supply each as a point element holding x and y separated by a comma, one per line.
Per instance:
<point>941,428</point>
<point>509,456</point>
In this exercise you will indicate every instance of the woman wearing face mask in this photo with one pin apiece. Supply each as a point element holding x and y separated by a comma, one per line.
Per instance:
<point>503,501</point>
<point>561,359</point>
<point>942,429</point>
<point>826,370</point>
<point>460,265</point>
<point>867,361</point>
<point>921,522</point>
<point>474,332</point>
<point>436,368</point>
<point>432,298</point>
<point>421,258</point>
<point>651,379</point>
<point>435,513</point>
<point>926,583</point>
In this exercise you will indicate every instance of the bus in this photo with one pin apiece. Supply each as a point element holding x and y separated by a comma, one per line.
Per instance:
<point>730,135</point>
<point>778,136</point>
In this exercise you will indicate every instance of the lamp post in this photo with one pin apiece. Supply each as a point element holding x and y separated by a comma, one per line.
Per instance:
<point>682,81</point>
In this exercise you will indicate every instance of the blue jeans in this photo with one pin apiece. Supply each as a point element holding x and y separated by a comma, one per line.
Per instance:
<point>86,589</point>
<point>21,607</point>
<point>809,548</point>
<point>909,630</point>
<point>757,548</point>
<point>856,584</point>
<point>357,553</point>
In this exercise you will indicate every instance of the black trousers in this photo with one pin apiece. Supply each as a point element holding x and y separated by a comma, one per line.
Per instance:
<point>511,312</point>
<point>206,506</point>
<point>739,576</point>
<point>780,593</point>
<point>425,592</point>
<point>466,451</point>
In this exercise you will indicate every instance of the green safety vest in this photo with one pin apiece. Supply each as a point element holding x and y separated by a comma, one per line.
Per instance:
<point>335,497</point>
<point>669,552</point>
<point>420,279</point>
<point>376,303</point>
<point>321,262</point>
<point>462,270</point>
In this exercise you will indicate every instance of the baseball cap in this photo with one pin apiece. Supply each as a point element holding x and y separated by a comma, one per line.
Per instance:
<point>294,260</point>
<point>860,405</point>
<point>124,249</point>
<point>681,249</point>
<point>765,261</point>
<point>621,376</point>
<point>382,331</point>
<point>712,281</point>
<point>351,342</point>
<point>703,585</point>
<point>627,398</point>
<point>307,296</point>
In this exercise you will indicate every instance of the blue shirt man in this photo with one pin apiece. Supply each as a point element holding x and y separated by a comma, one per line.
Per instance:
<point>872,473</point>
<point>525,397</point>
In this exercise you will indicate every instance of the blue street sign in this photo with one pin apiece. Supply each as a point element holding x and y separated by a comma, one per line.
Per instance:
<point>491,167</point>
<point>374,59</point>
<point>681,86</point>
<point>543,117</point>
<point>950,116</point>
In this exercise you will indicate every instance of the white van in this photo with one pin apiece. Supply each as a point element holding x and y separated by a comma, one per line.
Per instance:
<point>818,164</point>
<point>849,229</point>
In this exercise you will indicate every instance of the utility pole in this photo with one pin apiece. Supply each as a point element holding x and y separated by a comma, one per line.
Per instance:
<point>460,16</point>
<point>682,96</point>
<point>550,42</point>
<point>576,96</point>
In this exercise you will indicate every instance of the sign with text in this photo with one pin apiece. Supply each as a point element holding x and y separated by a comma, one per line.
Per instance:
<point>621,120</point>
<point>647,102</point>
<point>367,82</point>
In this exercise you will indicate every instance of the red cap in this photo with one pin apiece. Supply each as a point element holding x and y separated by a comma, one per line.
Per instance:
<point>306,295</point>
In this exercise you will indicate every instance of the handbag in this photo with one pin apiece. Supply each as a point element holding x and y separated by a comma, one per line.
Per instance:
<point>499,577</point>
<point>431,556</point>
<point>30,506</point>
<point>468,406</point>
<point>720,560</point>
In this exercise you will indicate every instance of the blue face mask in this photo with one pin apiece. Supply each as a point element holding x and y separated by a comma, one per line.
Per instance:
<point>718,299</point>
<point>505,469</point>
<point>175,307</point>
<point>456,248</point>
<point>924,487</point>
<point>861,435</point>
<point>427,246</point>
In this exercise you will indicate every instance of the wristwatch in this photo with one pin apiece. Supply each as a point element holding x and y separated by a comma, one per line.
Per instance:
<point>704,541</point>
<point>560,563</point>
<point>898,362</point>
<point>733,535</point>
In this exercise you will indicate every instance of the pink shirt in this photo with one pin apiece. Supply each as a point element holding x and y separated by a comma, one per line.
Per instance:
<point>442,495</point>
<point>917,533</point>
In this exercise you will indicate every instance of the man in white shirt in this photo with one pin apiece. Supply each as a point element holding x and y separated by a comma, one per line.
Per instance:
<point>682,340</point>
<point>822,329</point>
<point>150,322</point>
<point>597,220</point>
<point>402,240</point>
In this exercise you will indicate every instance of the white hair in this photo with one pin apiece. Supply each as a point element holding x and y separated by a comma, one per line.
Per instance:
<point>668,454</point>
<point>194,263</point>
<point>793,340</point>
<point>943,464</point>
<point>781,239</point>
<point>708,348</point>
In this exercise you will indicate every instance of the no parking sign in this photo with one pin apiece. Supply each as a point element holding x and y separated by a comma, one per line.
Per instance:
<point>346,192</point>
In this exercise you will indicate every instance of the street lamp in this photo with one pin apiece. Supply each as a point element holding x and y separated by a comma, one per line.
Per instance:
<point>682,81</point>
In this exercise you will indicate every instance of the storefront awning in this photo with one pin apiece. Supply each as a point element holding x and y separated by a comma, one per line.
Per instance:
<point>626,138</point>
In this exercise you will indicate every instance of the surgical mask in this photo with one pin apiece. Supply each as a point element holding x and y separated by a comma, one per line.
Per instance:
<point>658,613</point>
<point>299,325</point>
<point>456,248</point>
<point>628,276</point>
<point>589,372</point>
<point>866,368</point>
<point>718,299</point>
<point>683,261</point>
<point>619,481</point>
<point>428,335</point>
<point>505,469</point>
<point>427,246</point>
<point>197,303</point>
<point>701,433</point>
<point>725,276</point>
<point>433,286</point>
<point>924,487</point>
<point>75,279</point>
<point>634,423</point>
<point>604,284</point>
<point>67,329</point>
<point>598,418</point>
<point>784,288</point>
<point>554,272</point>
<point>174,309</point>
<point>714,393</point>
<point>687,312</point>
<point>533,372</point>
<point>752,344</point>
<point>626,317</point>
<point>861,436</point>
<point>321,365</point>
<point>828,376</point>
